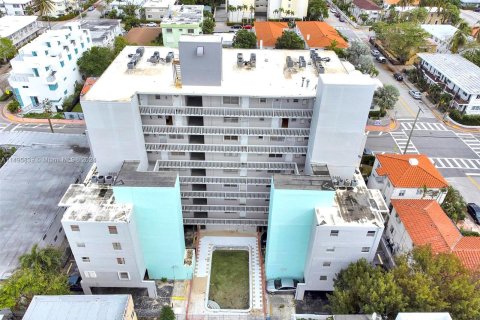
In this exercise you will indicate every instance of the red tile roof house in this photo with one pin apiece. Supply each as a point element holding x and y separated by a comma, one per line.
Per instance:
<point>414,223</point>
<point>408,176</point>
<point>365,6</point>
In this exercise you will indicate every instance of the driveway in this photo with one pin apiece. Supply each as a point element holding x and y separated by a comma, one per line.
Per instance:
<point>281,306</point>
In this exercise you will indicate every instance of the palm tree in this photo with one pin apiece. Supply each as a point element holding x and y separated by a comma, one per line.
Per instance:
<point>244,9</point>
<point>231,8</point>
<point>276,12</point>
<point>45,7</point>
<point>252,12</point>
<point>460,38</point>
<point>47,258</point>
<point>239,8</point>
<point>281,10</point>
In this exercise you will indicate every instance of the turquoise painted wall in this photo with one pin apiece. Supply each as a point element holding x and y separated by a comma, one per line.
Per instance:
<point>158,213</point>
<point>290,222</point>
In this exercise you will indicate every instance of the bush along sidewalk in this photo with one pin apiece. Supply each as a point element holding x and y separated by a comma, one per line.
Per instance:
<point>465,119</point>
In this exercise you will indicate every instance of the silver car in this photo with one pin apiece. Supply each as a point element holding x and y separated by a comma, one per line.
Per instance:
<point>415,94</point>
<point>284,285</point>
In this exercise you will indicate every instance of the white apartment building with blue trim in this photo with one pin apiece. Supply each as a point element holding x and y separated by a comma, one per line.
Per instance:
<point>47,67</point>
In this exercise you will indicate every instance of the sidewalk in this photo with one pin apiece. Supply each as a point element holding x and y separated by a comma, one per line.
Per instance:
<point>6,115</point>
<point>391,127</point>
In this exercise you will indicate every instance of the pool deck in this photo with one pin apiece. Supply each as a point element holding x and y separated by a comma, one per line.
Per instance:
<point>208,241</point>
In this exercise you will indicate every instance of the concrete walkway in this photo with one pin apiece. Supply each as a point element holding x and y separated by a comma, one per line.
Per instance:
<point>9,117</point>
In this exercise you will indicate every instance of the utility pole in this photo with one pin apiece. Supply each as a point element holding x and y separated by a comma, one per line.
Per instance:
<point>411,131</point>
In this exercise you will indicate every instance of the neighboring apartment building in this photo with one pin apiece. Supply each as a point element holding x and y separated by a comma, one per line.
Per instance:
<point>433,13</point>
<point>17,7</point>
<point>155,10</point>
<point>128,233</point>
<point>227,119</point>
<point>414,223</point>
<point>180,20</point>
<point>457,76</point>
<point>318,226</point>
<point>368,8</point>
<point>118,5</point>
<point>441,35</point>
<point>407,176</point>
<point>68,307</point>
<point>20,29</point>
<point>46,68</point>
<point>267,8</point>
<point>316,34</point>
<point>103,31</point>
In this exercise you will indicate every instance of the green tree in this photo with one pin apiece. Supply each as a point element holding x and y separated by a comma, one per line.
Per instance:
<point>317,10</point>
<point>403,39</point>
<point>7,49</point>
<point>48,259</point>
<point>167,313</point>
<point>245,39</point>
<point>208,25</point>
<point>358,54</point>
<point>364,17</point>
<point>417,15</point>
<point>45,8</point>
<point>119,44</point>
<point>385,97</point>
<point>473,56</point>
<point>363,288</point>
<point>95,61</point>
<point>454,204</point>
<point>289,40</point>
<point>5,154</point>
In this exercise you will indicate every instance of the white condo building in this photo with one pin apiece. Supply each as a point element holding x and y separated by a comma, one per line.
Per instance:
<point>155,10</point>
<point>21,7</point>
<point>269,8</point>
<point>227,119</point>
<point>20,29</point>
<point>47,67</point>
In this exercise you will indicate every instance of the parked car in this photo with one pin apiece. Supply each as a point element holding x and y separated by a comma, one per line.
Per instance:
<point>91,8</point>
<point>74,282</point>
<point>474,210</point>
<point>284,285</point>
<point>341,19</point>
<point>477,9</point>
<point>236,27</point>
<point>247,27</point>
<point>151,24</point>
<point>375,52</point>
<point>333,10</point>
<point>381,59</point>
<point>337,15</point>
<point>415,94</point>
<point>398,76</point>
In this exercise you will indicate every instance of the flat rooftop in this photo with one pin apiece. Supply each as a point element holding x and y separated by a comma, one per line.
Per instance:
<point>79,194</point>
<point>269,78</point>
<point>99,212</point>
<point>443,32</point>
<point>456,68</point>
<point>100,29</point>
<point>158,3</point>
<point>11,24</point>
<point>31,183</point>
<point>300,182</point>
<point>183,14</point>
<point>130,177</point>
<point>77,307</point>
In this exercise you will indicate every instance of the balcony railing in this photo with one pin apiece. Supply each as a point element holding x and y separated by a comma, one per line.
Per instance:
<point>218,208</point>
<point>242,222</point>
<point>20,77</point>
<point>227,165</point>
<point>225,195</point>
<point>155,129</point>
<point>225,148</point>
<point>224,180</point>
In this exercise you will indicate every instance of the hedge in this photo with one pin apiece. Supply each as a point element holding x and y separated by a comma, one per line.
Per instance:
<point>468,120</point>
<point>377,114</point>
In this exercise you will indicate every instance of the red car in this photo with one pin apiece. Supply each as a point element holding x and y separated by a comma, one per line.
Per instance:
<point>247,27</point>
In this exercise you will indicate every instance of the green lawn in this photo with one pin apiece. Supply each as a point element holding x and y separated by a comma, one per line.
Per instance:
<point>229,279</point>
<point>77,108</point>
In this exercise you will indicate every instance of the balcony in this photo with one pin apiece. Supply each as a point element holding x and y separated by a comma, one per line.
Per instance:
<point>224,180</point>
<point>154,129</point>
<point>52,77</point>
<point>220,208</point>
<point>284,167</point>
<point>242,222</point>
<point>20,77</point>
<point>225,195</point>
<point>226,148</point>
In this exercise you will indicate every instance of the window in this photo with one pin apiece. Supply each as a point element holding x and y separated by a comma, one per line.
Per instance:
<point>295,100</point>
<point>231,100</point>
<point>121,260</point>
<point>260,137</point>
<point>80,244</point>
<point>392,229</point>
<point>230,119</point>
<point>90,274</point>
<point>55,239</point>
<point>158,97</point>
<point>190,30</point>
<point>401,193</point>
<point>263,100</point>
<point>371,233</point>
<point>327,263</point>
<point>365,249</point>
<point>62,63</point>
<point>169,30</point>
<point>230,138</point>
<point>35,72</point>
<point>76,50</point>
<point>124,276</point>
<point>323,278</point>
<point>334,233</point>
<point>331,249</point>
<point>277,138</point>
<point>69,57</point>
<point>273,155</point>
<point>112,230</point>
<point>230,185</point>
<point>176,136</point>
<point>53,87</point>
<point>85,259</point>
<point>60,230</point>
<point>178,153</point>
<point>117,246</point>
<point>48,44</point>
<point>75,227</point>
